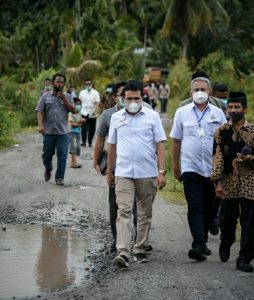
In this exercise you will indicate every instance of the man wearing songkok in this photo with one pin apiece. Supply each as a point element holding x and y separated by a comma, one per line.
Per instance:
<point>233,173</point>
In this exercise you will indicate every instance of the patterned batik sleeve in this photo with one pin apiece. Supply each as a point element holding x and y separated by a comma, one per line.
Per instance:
<point>218,161</point>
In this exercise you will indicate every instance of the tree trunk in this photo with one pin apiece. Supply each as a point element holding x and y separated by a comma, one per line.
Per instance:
<point>145,40</point>
<point>124,7</point>
<point>185,44</point>
<point>37,59</point>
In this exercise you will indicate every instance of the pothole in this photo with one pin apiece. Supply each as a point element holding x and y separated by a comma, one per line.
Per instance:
<point>38,259</point>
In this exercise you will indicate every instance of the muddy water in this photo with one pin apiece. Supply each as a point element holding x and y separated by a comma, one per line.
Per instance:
<point>36,259</point>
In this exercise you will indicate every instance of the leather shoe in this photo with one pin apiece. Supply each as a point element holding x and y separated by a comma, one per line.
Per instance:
<point>207,251</point>
<point>113,247</point>
<point>197,254</point>
<point>47,175</point>
<point>214,227</point>
<point>243,265</point>
<point>224,253</point>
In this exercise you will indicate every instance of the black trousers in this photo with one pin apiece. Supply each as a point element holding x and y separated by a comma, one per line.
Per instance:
<point>200,194</point>
<point>88,129</point>
<point>164,103</point>
<point>232,210</point>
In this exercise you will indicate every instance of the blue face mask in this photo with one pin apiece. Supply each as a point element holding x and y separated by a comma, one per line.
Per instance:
<point>78,108</point>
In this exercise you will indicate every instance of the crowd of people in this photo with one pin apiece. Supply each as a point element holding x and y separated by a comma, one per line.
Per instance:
<point>212,155</point>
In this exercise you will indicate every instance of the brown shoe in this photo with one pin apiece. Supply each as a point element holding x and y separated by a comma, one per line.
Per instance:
<point>47,175</point>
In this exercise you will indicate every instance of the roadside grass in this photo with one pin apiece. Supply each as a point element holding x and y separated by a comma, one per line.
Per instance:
<point>173,191</point>
<point>30,129</point>
<point>14,139</point>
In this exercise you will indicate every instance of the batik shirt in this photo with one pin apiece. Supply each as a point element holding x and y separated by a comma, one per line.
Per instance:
<point>236,177</point>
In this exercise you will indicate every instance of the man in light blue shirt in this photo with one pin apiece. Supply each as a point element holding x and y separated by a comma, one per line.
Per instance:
<point>193,132</point>
<point>136,143</point>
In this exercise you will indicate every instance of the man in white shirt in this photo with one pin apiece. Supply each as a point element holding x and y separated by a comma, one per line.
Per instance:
<point>193,132</point>
<point>136,143</point>
<point>90,105</point>
<point>164,93</point>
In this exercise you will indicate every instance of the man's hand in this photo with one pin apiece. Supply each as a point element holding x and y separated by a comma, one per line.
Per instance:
<point>177,173</point>
<point>242,157</point>
<point>219,192</point>
<point>60,94</point>
<point>96,167</point>
<point>161,181</point>
<point>110,179</point>
<point>41,129</point>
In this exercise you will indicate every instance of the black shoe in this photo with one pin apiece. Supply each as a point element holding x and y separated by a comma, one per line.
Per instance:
<point>243,265</point>
<point>47,175</point>
<point>197,254</point>
<point>141,258</point>
<point>122,261</point>
<point>224,253</point>
<point>207,251</point>
<point>90,145</point>
<point>113,247</point>
<point>149,248</point>
<point>214,227</point>
<point>83,144</point>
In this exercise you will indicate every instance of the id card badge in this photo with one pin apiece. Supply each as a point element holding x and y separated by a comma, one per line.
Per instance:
<point>200,132</point>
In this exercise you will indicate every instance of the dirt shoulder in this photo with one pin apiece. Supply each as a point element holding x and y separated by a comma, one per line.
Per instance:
<point>82,203</point>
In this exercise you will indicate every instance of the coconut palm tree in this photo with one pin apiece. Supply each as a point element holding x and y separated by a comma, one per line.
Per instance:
<point>185,17</point>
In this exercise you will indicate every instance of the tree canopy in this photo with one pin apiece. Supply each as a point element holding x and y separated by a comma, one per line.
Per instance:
<point>37,35</point>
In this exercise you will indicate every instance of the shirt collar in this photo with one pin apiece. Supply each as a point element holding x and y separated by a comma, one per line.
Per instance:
<point>207,106</point>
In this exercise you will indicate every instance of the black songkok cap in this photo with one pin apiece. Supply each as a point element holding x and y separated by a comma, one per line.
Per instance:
<point>237,97</point>
<point>199,74</point>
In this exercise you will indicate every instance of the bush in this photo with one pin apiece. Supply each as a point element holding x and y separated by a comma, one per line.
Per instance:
<point>179,82</point>
<point>220,69</point>
<point>8,126</point>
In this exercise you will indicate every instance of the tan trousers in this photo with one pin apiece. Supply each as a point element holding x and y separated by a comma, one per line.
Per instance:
<point>126,190</point>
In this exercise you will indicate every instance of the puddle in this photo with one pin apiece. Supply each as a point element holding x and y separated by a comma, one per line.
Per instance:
<point>38,259</point>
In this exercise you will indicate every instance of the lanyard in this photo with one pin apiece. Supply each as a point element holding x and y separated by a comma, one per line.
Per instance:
<point>199,120</point>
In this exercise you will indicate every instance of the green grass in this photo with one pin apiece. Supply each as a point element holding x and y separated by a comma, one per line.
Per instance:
<point>173,191</point>
<point>31,129</point>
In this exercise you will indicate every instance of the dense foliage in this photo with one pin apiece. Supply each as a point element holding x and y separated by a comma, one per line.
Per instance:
<point>101,39</point>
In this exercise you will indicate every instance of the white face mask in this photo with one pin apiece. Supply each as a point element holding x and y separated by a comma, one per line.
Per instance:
<point>200,97</point>
<point>133,107</point>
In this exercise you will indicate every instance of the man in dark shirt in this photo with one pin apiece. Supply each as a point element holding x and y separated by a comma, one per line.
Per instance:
<point>52,115</point>
<point>233,172</point>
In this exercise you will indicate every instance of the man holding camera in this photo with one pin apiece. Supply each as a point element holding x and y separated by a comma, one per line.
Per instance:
<point>52,115</point>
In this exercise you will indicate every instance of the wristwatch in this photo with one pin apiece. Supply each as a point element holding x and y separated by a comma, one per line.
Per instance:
<point>163,172</point>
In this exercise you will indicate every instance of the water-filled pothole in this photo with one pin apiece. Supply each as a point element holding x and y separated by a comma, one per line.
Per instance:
<point>38,259</point>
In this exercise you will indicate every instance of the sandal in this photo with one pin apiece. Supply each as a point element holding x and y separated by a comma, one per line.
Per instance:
<point>75,166</point>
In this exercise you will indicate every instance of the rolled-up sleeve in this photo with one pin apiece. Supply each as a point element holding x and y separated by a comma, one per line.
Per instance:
<point>41,105</point>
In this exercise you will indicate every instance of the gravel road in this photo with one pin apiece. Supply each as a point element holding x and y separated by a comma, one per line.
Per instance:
<point>82,203</point>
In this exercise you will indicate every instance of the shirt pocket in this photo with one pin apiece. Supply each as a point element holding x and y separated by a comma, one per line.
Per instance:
<point>211,127</point>
<point>189,128</point>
